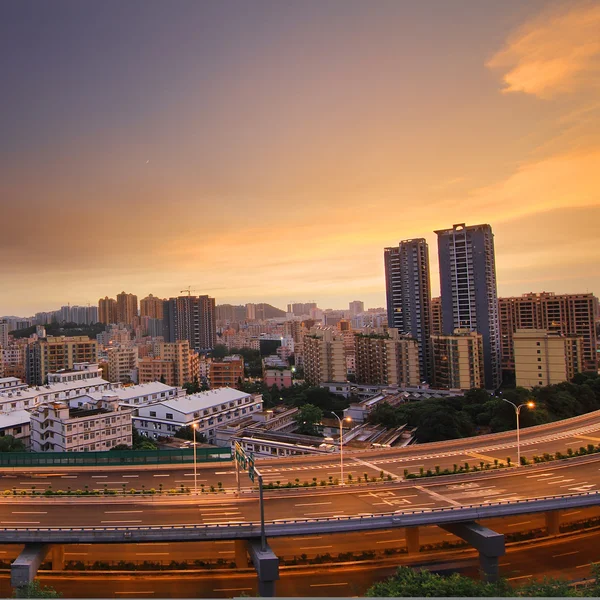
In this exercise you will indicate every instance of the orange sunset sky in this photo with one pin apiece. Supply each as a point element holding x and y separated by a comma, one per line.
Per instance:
<point>269,151</point>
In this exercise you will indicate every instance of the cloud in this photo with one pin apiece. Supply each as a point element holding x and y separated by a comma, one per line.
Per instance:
<point>555,53</point>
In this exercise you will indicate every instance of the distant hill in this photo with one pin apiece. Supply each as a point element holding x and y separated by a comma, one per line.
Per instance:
<point>266,311</point>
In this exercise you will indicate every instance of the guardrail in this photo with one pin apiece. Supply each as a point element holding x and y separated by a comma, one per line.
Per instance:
<point>113,458</point>
<point>288,527</point>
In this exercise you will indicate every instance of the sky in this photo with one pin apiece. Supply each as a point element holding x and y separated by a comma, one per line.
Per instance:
<point>269,151</point>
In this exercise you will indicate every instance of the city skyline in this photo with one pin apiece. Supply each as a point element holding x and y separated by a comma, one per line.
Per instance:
<point>189,132</point>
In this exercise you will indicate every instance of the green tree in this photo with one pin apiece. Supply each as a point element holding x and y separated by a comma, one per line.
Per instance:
<point>8,443</point>
<point>219,351</point>
<point>407,583</point>
<point>307,419</point>
<point>121,447</point>
<point>191,387</point>
<point>187,433</point>
<point>35,590</point>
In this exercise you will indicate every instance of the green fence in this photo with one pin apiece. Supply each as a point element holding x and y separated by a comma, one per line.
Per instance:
<point>116,457</point>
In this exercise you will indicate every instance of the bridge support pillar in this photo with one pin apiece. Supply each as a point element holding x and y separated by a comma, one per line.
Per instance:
<point>552,522</point>
<point>26,565</point>
<point>241,554</point>
<point>58,557</point>
<point>412,540</point>
<point>489,543</point>
<point>267,567</point>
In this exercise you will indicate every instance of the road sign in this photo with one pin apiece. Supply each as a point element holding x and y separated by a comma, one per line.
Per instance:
<point>244,460</point>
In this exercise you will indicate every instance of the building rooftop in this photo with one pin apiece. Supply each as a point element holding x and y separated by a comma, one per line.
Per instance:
<point>15,417</point>
<point>51,388</point>
<point>134,391</point>
<point>202,400</point>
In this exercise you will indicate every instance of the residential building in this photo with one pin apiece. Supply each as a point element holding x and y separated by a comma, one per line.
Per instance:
<point>133,396</point>
<point>58,353</point>
<point>174,363</point>
<point>227,372</point>
<point>546,357</point>
<point>107,310</point>
<point>387,359</point>
<point>57,427</point>
<point>356,307</point>
<point>11,384</point>
<point>152,307</point>
<point>16,424</point>
<point>276,372</point>
<point>190,318</point>
<point>408,292</point>
<point>122,364</point>
<point>4,328</point>
<point>207,409</point>
<point>127,308</point>
<point>468,290</point>
<point>458,360</point>
<point>436,316</point>
<point>301,309</point>
<point>568,314</point>
<point>324,357</point>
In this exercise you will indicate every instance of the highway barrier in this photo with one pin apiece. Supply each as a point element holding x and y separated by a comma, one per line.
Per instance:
<point>112,458</point>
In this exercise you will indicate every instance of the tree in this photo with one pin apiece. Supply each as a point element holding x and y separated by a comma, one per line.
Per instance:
<point>409,583</point>
<point>162,379</point>
<point>8,443</point>
<point>307,419</point>
<point>187,433</point>
<point>192,387</point>
<point>219,351</point>
<point>35,589</point>
<point>121,447</point>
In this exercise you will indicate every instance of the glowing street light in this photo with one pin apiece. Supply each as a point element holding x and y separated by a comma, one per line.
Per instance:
<point>518,408</point>
<point>348,420</point>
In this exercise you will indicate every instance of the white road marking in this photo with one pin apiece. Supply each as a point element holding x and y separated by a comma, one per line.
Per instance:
<point>328,584</point>
<point>121,512</point>
<point>106,522</point>
<point>437,496</point>
<point>313,504</point>
<point>517,524</point>
<point>20,522</point>
<point>232,589</point>
<point>565,554</point>
<point>315,547</point>
<point>391,541</point>
<point>152,554</point>
<point>26,512</point>
<point>167,475</point>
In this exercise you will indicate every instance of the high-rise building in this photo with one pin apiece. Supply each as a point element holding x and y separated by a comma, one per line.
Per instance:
<point>356,307</point>
<point>301,309</point>
<point>458,360</point>
<point>58,353</point>
<point>408,291</point>
<point>107,310</point>
<point>127,308</point>
<point>324,357</point>
<point>152,307</point>
<point>468,286</point>
<point>190,318</point>
<point>436,316</point>
<point>546,358</point>
<point>3,333</point>
<point>174,362</point>
<point>568,314</point>
<point>387,359</point>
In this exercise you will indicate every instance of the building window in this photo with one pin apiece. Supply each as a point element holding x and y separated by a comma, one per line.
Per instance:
<point>169,416</point>
<point>152,413</point>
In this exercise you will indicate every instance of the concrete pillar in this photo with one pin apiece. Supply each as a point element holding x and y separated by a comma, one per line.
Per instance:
<point>552,522</point>
<point>412,540</point>
<point>489,543</point>
<point>25,566</point>
<point>58,557</point>
<point>241,554</point>
<point>266,564</point>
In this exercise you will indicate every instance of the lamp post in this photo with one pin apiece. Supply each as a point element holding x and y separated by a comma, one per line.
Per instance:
<point>194,427</point>
<point>340,421</point>
<point>517,413</point>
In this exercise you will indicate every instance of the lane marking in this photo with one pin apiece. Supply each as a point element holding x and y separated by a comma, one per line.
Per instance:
<point>121,512</point>
<point>152,553</point>
<point>565,554</point>
<point>308,537</point>
<point>20,522</point>
<point>121,521</point>
<point>328,584</point>
<point>313,504</point>
<point>26,512</point>
<point>391,541</point>
<point>520,577</point>
<point>231,589</point>
<point>167,475</point>
<point>483,457</point>
<point>315,547</point>
<point>374,467</point>
<point>437,496</point>
<point>517,524</point>
<point>573,512</point>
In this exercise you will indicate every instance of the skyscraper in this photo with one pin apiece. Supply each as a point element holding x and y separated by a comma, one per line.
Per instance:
<point>152,307</point>
<point>468,289</point>
<point>408,292</point>
<point>127,308</point>
<point>190,318</point>
<point>107,310</point>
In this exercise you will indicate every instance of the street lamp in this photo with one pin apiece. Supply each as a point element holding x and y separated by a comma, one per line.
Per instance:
<point>348,419</point>
<point>518,408</point>
<point>194,427</point>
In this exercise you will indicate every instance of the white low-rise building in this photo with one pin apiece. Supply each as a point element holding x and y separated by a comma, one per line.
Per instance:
<point>58,427</point>
<point>144,393</point>
<point>207,409</point>
<point>11,384</point>
<point>16,424</point>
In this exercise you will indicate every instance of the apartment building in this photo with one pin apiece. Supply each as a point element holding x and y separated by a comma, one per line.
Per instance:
<point>567,314</point>
<point>58,427</point>
<point>324,357</point>
<point>190,318</point>
<point>107,310</point>
<point>17,425</point>
<point>436,316</point>
<point>227,372</point>
<point>207,409</point>
<point>546,357</point>
<point>387,359</point>
<point>122,364</point>
<point>58,353</point>
<point>152,307</point>
<point>469,291</point>
<point>276,372</point>
<point>458,360</point>
<point>408,292</point>
<point>174,363</point>
<point>127,308</point>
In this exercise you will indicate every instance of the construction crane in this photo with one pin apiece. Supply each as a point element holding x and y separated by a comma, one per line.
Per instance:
<point>187,290</point>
